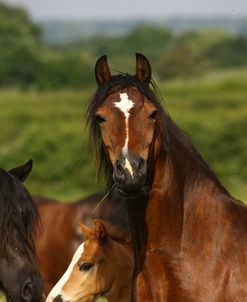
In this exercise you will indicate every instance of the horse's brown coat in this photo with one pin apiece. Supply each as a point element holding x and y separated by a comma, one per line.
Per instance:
<point>190,235</point>
<point>59,235</point>
<point>107,249</point>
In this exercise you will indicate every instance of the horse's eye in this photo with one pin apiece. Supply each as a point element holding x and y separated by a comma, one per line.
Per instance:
<point>86,266</point>
<point>99,120</point>
<point>152,117</point>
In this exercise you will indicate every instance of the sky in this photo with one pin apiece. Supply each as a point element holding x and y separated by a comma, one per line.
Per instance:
<point>130,9</point>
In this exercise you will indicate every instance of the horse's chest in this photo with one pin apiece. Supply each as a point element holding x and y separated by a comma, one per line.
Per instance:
<point>152,284</point>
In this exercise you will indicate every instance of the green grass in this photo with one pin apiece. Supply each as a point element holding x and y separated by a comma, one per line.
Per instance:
<point>49,128</point>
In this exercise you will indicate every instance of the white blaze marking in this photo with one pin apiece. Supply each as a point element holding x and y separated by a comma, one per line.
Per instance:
<point>58,287</point>
<point>125,104</point>
<point>128,166</point>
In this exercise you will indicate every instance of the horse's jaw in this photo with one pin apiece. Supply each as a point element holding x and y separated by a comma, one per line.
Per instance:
<point>133,194</point>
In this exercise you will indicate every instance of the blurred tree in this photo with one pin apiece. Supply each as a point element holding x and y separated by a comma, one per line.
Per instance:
<point>187,54</point>
<point>229,52</point>
<point>25,61</point>
<point>19,46</point>
<point>149,39</point>
<point>181,61</point>
<point>62,71</point>
<point>201,41</point>
<point>15,23</point>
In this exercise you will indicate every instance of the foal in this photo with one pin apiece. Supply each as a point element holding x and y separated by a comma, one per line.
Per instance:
<point>101,267</point>
<point>57,243</point>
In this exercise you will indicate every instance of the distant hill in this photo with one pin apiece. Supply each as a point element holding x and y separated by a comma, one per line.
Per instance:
<point>61,32</point>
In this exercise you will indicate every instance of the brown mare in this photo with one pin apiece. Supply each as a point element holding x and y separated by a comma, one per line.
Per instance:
<point>190,235</point>
<point>101,267</point>
<point>59,236</point>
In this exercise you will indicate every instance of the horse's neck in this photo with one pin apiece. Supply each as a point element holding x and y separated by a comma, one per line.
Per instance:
<point>122,294</point>
<point>157,218</point>
<point>179,182</point>
<point>124,263</point>
<point>114,211</point>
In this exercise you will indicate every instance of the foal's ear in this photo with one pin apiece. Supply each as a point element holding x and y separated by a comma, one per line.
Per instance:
<point>100,231</point>
<point>102,71</point>
<point>22,172</point>
<point>86,231</point>
<point>143,68</point>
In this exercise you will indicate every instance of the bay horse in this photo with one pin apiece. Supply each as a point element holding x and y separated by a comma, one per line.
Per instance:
<point>102,266</point>
<point>189,233</point>
<point>20,280</point>
<point>59,235</point>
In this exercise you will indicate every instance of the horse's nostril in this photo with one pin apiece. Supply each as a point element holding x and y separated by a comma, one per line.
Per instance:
<point>27,291</point>
<point>140,164</point>
<point>120,167</point>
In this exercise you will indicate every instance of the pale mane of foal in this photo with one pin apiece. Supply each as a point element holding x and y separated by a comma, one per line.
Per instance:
<point>102,266</point>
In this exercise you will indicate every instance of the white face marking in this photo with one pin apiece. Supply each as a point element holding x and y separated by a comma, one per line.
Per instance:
<point>125,104</point>
<point>128,166</point>
<point>58,287</point>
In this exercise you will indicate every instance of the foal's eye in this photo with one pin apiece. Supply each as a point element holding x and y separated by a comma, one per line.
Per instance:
<point>99,120</point>
<point>86,266</point>
<point>152,117</point>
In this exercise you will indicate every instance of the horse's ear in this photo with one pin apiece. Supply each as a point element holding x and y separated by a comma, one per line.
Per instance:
<point>102,71</point>
<point>143,68</point>
<point>22,172</point>
<point>86,231</point>
<point>100,231</point>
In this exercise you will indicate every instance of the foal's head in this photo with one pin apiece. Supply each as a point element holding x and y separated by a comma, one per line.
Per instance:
<point>124,118</point>
<point>101,267</point>
<point>19,276</point>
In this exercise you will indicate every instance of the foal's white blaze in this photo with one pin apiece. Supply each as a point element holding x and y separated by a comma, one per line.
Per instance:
<point>58,287</point>
<point>125,104</point>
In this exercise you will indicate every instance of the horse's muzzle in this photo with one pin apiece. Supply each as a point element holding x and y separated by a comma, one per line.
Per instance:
<point>130,174</point>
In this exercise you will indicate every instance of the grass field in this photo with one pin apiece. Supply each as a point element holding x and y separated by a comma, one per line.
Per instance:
<point>49,128</point>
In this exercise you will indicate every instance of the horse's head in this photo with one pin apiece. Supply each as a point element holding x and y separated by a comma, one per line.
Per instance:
<point>101,267</point>
<point>123,115</point>
<point>19,276</point>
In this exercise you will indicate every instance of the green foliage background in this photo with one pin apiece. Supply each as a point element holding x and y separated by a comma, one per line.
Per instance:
<point>44,91</point>
<point>50,128</point>
<point>26,61</point>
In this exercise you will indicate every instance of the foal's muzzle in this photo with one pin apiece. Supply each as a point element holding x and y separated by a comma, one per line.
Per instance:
<point>130,174</point>
<point>58,298</point>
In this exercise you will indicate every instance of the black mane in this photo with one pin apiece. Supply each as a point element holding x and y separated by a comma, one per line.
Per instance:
<point>18,213</point>
<point>167,127</point>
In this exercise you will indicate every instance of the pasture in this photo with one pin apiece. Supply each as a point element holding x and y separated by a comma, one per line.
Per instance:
<point>49,127</point>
